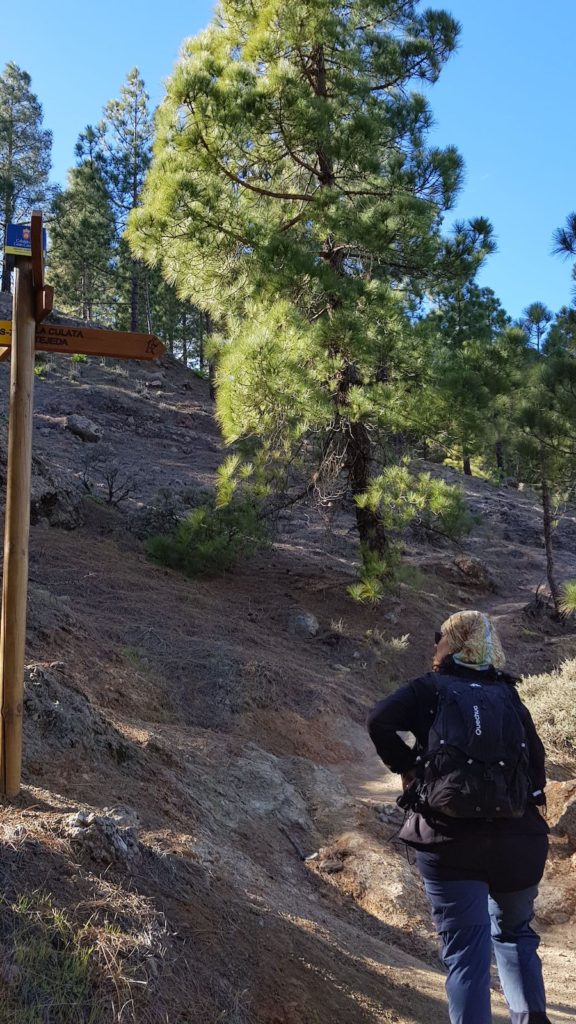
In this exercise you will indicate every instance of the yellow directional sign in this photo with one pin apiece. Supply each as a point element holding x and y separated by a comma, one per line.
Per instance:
<point>88,341</point>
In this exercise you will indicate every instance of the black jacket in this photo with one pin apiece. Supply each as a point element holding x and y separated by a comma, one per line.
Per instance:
<point>412,708</point>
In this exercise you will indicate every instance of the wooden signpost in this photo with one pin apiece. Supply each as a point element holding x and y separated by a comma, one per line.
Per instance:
<point>21,338</point>
<point>68,340</point>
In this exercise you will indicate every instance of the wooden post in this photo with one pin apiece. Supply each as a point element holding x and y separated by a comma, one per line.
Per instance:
<point>17,529</point>
<point>32,302</point>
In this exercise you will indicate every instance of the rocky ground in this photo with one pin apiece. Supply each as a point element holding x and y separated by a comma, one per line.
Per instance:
<point>205,833</point>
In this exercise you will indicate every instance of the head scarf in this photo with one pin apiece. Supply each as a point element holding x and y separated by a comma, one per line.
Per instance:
<point>473,640</point>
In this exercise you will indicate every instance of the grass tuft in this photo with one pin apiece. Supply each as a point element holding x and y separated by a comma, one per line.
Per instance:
<point>46,966</point>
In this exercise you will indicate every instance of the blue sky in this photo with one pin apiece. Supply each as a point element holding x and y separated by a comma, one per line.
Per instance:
<point>505,100</point>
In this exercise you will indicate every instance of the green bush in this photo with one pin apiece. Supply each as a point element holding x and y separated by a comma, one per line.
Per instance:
<point>212,539</point>
<point>568,600</point>
<point>403,499</point>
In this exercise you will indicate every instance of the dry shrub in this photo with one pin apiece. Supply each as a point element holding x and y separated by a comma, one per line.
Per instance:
<point>551,699</point>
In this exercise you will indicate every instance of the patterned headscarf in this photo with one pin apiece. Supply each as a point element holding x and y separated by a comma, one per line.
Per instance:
<point>473,640</point>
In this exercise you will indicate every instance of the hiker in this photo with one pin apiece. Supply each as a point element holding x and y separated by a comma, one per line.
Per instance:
<point>471,789</point>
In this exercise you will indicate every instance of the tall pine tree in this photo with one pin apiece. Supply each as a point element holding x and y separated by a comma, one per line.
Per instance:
<point>25,153</point>
<point>82,245</point>
<point>293,194</point>
<point>536,321</point>
<point>125,145</point>
<point>546,416</point>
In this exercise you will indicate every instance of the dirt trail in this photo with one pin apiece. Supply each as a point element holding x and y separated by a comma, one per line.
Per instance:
<point>372,785</point>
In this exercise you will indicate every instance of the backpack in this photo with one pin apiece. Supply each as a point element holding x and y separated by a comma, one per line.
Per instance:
<point>477,762</point>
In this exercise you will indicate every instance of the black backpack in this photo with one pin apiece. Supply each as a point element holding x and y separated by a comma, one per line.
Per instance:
<point>477,763</point>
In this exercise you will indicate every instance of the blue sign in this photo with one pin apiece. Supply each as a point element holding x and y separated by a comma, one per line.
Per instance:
<point>19,239</point>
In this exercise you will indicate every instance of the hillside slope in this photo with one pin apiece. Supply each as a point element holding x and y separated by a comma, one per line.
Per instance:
<point>186,748</point>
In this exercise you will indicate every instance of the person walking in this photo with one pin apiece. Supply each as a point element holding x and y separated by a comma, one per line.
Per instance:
<point>472,787</point>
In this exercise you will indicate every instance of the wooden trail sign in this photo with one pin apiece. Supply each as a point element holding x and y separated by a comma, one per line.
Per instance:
<point>21,338</point>
<point>69,340</point>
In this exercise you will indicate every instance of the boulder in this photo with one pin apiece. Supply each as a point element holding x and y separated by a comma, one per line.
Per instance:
<point>51,501</point>
<point>561,797</point>
<point>59,719</point>
<point>303,623</point>
<point>99,839</point>
<point>475,571</point>
<point>83,428</point>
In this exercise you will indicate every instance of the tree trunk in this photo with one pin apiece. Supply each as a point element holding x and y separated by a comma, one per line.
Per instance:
<point>8,209</point>
<point>370,527</point>
<point>547,523</point>
<point>148,307</point>
<point>499,451</point>
<point>201,341</point>
<point>211,363</point>
<point>134,297</point>
<point>212,379</point>
<point>6,275</point>
<point>466,465</point>
<point>185,340</point>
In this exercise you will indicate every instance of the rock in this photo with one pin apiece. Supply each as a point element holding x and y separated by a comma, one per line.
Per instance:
<point>125,817</point>
<point>101,839</point>
<point>553,904</point>
<point>558,795</point>
<point>562,808</point>
<point>84,428</point>
<point>58,719</point>
<point>304,624</point>
<point>567,821</point>
<point>331,867</point>
<point>475,571</point>
<point>51,499</point>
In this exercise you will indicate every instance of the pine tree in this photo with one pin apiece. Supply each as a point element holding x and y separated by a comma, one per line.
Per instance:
<point>547,420</point>
<point>25,153</point>
<point>475,360</point>
<point>536,321</point>
<point>562,334</point>
<point>82,236</point>
<point>177,321</point>
<point>470,312</point>
<point>565,240</point>
<point>123,140</point>
<point>294,196</point>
